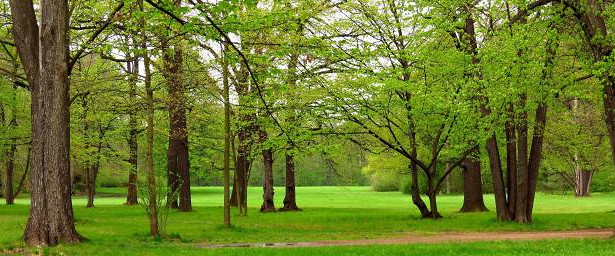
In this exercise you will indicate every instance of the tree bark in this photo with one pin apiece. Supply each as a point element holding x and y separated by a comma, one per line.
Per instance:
<point>152,207</point>
<point>501,205</point>
<point>511,159</point>
<point>51,218</point>
<point>25,173</point>
<point>268,193</point>
<point>522,165</point>
<point>2,121</point>
<point>535,156</point>
<point>414,170</point>
<point>133,143</point>
<point>473,187</point>
<point>432,194</point>
<point>227,142</point>
<point>290,200</point>
<point>178,165</point>
<point>10,169</point>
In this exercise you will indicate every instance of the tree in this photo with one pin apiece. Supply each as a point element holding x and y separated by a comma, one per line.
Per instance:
<point>44,58</point>
<point>178,165</point>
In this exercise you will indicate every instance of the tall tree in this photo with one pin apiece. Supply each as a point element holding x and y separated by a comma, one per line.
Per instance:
<point>178,165</point>
<point>43,52</point>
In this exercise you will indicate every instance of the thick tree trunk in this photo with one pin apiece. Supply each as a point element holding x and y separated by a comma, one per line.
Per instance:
<point>178,160</point>
<point>268,193</point>
<point>473,187</point>
<point>51,218</point>
<point>290,200</point>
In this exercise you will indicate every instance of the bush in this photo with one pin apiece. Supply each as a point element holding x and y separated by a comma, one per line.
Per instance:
<point>385,181</point>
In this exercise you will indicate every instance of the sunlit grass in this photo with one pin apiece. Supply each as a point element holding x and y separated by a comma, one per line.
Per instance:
<point>328,213</point>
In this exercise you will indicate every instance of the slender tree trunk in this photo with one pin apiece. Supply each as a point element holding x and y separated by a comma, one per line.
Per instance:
<point>239,195</point>
<point>522,164</point>
<point>2,121</point>
<point>511,159</point>
<point>473,187</point>
<point>535,156</point>
<point>131,197</point>
<point>497,179</point>
<point>10,164</point>
<point>133,143</point>
<point>151,176</point>
<point>25,173</point>
<point>414,170</point>
<point>51,218</point>
<point>88,163</point>
<point>227,142</point>
<point>540,120</point>
<point>268,193</point>
<point>10,168</point>
<point>290,199</point>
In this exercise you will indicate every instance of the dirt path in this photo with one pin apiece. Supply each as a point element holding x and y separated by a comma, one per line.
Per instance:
<point>436,238</point>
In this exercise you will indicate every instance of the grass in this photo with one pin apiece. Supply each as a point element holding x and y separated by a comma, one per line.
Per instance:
<point>329,213</point>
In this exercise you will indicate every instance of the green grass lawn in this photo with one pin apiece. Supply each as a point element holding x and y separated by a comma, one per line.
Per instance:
<point>329,213</point>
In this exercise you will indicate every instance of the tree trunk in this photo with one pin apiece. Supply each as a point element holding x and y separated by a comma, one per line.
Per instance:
<point>227,141</point>
<point>535,156</point>
<point>87,164</point>
<point>511,159</point>
<point>131,197</point>
<point>178,160</point>
<point>432,194</point>
<point>133,143</point>
<point>25,173</point>
<point>414,170</point>
<point>51,218</point>
<point>10,169</point>
<point>473,187</point>
<point>290,200</point>
<point>501,206</point>
<point>240,187</point>
<point>152,201</point>
<point>582,183</point>
<point>268,204</point>
<point>2,121</point>
<point>522,165</point>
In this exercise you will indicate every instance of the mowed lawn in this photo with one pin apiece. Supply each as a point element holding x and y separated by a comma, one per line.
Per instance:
<point>329,213</point>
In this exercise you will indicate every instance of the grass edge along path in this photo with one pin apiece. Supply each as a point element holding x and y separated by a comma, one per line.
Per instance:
<point>443,237</point>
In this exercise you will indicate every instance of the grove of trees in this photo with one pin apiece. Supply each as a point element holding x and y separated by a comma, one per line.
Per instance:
<point>494,96</point>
